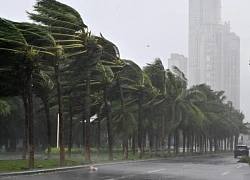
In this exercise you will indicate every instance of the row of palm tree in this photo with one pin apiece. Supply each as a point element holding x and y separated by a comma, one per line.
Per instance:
<point>57,59</point>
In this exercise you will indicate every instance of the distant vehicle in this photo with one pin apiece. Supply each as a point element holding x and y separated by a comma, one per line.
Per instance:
<point>241,150</point>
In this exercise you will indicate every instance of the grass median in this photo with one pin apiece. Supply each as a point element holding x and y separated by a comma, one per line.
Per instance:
<point>76,159</point>
<point>54,162</point>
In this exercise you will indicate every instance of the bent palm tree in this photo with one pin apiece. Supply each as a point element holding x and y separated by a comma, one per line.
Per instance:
<point>68,30</point>
<point>157,75</point>
<point>25,57</point>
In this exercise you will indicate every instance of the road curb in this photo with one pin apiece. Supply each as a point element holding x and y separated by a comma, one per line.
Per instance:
<point>68,168</point>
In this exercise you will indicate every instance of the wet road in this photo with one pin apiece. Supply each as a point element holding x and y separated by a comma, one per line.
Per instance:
<point>222,167</point>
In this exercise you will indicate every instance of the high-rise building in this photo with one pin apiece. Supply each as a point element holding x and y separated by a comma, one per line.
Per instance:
<point>214,51</point>
<point>230,71</point>
<point>204,20</point>
<point>179,61</point>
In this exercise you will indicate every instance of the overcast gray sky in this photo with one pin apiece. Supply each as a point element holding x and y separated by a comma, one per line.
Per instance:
<point>146,29</point>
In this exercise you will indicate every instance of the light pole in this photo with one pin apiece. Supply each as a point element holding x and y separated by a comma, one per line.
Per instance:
<point>57,136</point>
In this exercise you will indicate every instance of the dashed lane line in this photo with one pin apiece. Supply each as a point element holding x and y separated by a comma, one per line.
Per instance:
<point>225,173</point>
<point>155,171</point>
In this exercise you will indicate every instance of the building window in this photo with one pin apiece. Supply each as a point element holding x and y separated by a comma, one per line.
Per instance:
<point>208,66</point>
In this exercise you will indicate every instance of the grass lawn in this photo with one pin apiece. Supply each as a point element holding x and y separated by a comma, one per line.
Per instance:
<point>42,163</point>
<point>21,165</point>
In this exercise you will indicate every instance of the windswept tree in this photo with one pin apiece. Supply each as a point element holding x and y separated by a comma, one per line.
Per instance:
<point>43,88</point>
<point>69,33</point>
<point>158,77</point>
<point>24,59</point>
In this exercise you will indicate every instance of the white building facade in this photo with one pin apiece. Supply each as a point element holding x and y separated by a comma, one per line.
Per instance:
<point>214,51</point>
<point>179,61</point>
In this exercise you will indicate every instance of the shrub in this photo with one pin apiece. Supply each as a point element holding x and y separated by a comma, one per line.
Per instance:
<point>57,150</point>
<point>244,159</point>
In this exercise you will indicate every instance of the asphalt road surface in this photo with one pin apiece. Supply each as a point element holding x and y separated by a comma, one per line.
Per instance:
<point>219,167</point>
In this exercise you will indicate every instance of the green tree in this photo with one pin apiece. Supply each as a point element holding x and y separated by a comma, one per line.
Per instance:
<point>68,30</point>
<point>25,55</point>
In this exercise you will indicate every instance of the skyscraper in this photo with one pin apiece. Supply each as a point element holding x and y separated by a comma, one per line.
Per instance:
<point>214,56</point>
<point>204,20</point>
<point>179,61</point>
<point>230,61</point>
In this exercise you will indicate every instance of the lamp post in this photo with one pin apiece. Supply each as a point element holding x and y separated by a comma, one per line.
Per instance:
<point>57,136</point>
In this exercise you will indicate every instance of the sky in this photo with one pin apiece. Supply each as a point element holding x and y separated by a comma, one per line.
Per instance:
<point>146,29</point>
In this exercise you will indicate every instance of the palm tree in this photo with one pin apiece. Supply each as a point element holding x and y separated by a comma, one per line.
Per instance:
<point>43,87</point>
<point>107,76</point>
<point>110,66</point>
<point>25,60</point>
<point>137,85</point>
<point>157,75</point>
<point>68,30</point>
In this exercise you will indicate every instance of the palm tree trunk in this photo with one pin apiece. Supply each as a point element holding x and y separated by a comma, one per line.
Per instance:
<point>211,145</point>
<point>184,142</point>
<point>169,143</point>
<point>201,143</point>
<point>109,124</point>
<point>87,116</point>
<point>150,132</point>
<point>163,131</point>
<point>157,138</point>
<point>31,125</point>
<point>177,142</point>
<point>133,143</point>
<point>60,112</point>
<point>144,143</point>
<point>205,144</point>
<point>193,147</point>
<point>188,142</point>
<point>70,125</point>
<point>231,143</point>
<point>139,124</point>
<point>26,126</point>
<point>226,144</point>
<point>236,139</point>
<point>215,144</point>
<point>47,112</point>
<point>124,119</point>
<point>98,133</point>
<point>151,142</point>
<point>83,129</point>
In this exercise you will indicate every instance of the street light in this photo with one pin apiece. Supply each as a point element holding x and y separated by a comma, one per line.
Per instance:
<point>57,139</point>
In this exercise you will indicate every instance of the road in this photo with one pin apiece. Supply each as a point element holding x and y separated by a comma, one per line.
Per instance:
<point>219,167</point>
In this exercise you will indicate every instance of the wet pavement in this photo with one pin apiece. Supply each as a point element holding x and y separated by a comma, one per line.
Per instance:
<point>218,167</point>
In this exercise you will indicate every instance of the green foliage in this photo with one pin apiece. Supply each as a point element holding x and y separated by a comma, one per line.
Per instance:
<point>20,165</point>
<point>244,159</point>
<point>79,150</point>
<point>57,150</point>
<point>4,107</point>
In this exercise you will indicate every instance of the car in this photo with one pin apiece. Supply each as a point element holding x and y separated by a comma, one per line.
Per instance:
<point>241,150</point>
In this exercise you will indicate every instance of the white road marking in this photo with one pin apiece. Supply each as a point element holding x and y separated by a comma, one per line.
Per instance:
<point>225,173</point>
<point>238,167</point>
<point>184,164</point>
<point>155,171</point>
<point>122,177</point>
